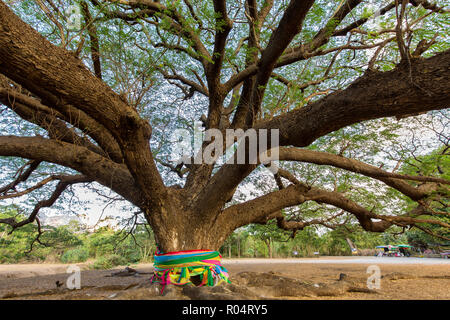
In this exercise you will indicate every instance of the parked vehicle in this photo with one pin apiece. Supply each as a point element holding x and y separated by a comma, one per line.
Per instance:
<point>400,250</point>
<point>403,248</point>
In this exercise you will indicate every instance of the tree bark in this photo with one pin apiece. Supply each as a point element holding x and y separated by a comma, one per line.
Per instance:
<point>268,242</point>
<point>239,247</point>
<point>182,229</point>
<point>64,91</point>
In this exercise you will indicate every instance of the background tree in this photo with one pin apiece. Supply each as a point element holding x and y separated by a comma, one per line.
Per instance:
<point>99,104</point>
<point>100,248</point>
<point>436,163</point>
<point>270,234</point>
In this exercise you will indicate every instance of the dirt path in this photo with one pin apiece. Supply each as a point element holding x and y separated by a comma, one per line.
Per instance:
<point>410,279</point>
<point>13,271</point>
<point>346,260</point>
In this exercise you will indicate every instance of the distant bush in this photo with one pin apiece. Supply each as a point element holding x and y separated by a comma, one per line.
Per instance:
<point>5,257</point>
<point>79,254</point>
<point>109,261</point>
<point>367,252</point>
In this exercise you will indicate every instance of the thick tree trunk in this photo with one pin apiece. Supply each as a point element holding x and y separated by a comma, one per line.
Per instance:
<point>178,228</point>
<point>182,235</point>
<point>268,243</point>
<point>239,247</point>
<point>194,218</point>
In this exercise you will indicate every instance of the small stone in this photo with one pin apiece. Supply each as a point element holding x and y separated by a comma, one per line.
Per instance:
<point>342,276</point>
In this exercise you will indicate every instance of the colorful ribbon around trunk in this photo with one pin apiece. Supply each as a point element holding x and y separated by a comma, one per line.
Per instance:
<point>178,268</point>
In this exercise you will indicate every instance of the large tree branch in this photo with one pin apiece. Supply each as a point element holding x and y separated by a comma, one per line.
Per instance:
<point>95,167</point>
<point>21,176</point>
<point>360,22</point>
<point>192,84</point>
<point>290,25</point>
<point>93,37</point>
<point>53,73</point>
<point>294,225</point>
<point>312,48</point>
<point>259,208</point>
<point>223,27</point>
<point>407,89</point>
<point>423,86</point>
<point>324,35</point>
<point>178,23</point>
<point>64,182</point>
<point>37,186</point>
<point>427,5</point>
<point>264,207</point>
<point>394,180</point>
<point>32,110</point>
<point>297,53</point>
<point>56,128</point>
<point>60,79</point>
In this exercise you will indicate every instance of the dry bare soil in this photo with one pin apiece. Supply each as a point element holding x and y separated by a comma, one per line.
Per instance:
<point>322,278</point>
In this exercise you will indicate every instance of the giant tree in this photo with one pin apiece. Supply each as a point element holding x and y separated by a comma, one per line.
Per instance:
<point>307,68</point>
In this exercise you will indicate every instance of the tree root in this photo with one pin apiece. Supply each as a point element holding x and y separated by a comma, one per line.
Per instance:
<point>243,286</point>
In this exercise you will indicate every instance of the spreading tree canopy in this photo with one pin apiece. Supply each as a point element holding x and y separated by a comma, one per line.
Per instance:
<point>90,92</point>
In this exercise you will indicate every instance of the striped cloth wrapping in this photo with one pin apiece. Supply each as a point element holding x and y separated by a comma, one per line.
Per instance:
<point>178,267</point>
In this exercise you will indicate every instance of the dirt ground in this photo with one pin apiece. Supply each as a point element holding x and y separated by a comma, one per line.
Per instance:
<point>267,279</point>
